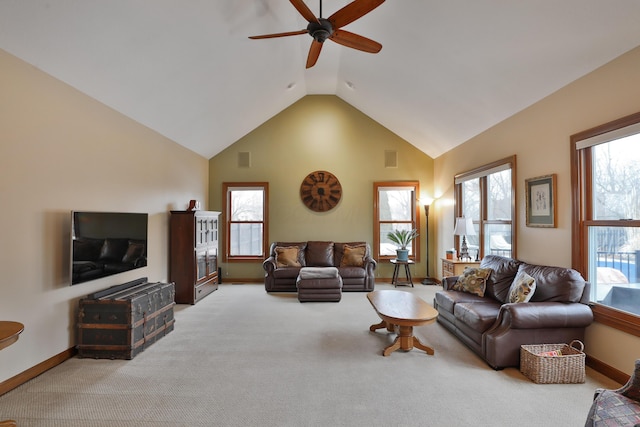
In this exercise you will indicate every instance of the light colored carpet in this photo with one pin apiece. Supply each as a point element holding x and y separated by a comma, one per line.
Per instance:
<point>242,357</point>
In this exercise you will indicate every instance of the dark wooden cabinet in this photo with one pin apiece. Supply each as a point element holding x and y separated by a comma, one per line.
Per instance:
<point>193,254</point>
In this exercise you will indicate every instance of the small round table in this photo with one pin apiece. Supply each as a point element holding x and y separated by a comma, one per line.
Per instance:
<point>396,265</point>
<point>9,332</point>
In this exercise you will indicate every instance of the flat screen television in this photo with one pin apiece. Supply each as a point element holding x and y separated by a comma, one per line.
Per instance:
<point>107,243</point>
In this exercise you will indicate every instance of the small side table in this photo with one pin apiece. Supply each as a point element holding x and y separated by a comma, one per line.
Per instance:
<point>407,272</point>
<point>454,267</point>
<point>9,332</point>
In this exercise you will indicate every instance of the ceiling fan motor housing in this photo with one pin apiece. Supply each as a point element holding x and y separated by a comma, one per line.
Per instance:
<point>320,31</point>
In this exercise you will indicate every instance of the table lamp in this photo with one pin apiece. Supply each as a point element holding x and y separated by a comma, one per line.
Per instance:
<point>464,227</point>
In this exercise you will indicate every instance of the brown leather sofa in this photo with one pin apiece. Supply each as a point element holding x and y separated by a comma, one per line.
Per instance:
<point>356,276</point>
<point>495,329</point>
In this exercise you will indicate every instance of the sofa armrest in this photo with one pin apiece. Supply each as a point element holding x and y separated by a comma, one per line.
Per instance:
<point>370,263</point>
<point>448,282</point>
<point>540,315</point>
<point>269,265</point>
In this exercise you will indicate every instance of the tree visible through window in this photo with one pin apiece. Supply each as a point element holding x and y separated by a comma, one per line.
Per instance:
<point>606,170</point>
<point>487,196</point>
<point>395,208</point>
<point>246,220</point>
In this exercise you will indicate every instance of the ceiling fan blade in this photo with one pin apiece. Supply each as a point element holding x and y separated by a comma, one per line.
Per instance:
<point>270,36</point>
<point>352,11</point>
<point>304,10</point>
<point>355,41</point>
<point>314,53</point>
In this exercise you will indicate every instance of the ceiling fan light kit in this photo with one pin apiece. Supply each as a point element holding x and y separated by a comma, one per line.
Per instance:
<point>321,29</point>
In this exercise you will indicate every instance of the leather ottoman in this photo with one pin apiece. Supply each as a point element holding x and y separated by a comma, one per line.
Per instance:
<point>319,284</point>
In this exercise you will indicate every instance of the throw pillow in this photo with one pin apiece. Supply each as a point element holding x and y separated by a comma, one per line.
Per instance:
<point>473,281</point>
<point>287,256</point>
<point>522,288</point>
<point>353,256</point>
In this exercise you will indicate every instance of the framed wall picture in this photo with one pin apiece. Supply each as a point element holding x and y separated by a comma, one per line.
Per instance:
<point>541,201</point>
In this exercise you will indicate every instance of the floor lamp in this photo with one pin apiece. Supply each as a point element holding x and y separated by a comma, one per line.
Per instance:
<point>427,280</point>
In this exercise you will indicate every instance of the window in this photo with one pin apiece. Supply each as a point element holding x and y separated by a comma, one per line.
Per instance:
<point>395,208</point>
<point>487,196</point>
<point>246,208</point>
<point>606,213</point>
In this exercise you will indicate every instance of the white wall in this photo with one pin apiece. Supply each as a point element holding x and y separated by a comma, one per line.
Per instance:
<point>60,151</point>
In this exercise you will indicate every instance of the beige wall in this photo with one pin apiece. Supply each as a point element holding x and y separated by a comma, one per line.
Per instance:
<point>539,137</point>
<point>319,133</point>
<point>60,151</point>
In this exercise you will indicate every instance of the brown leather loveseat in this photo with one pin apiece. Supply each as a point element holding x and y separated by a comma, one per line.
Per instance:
<point>495,328</point>
<point>353,260</point>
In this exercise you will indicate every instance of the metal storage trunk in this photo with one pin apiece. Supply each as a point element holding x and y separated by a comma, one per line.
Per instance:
<point>122,321</point>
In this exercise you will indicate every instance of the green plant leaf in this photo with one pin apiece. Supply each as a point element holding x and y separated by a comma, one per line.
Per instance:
<point>402,238</point>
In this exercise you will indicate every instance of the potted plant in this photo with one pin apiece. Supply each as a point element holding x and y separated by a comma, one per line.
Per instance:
<point>402,238</point>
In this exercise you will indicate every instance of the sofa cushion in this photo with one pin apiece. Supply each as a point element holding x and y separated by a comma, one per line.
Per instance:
<point>352,272</point>
<point>318,273</point>
<point>613,408</point>
<point>473,281</point>
<point>286,273</point>
<point>447,299</point>
<point>557,284</point>
<point>522,288</point>
<point>353,256</point>
<point>477,316</point>
<point>287,256</point>
<point>319,254</point>
<point>503,271</point>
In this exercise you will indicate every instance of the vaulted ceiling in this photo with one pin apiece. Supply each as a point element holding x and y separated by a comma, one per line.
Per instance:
<point>448,69</point>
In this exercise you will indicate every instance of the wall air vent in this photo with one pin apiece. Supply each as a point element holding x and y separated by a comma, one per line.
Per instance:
<point>390,159</point>
<point>244,159</point>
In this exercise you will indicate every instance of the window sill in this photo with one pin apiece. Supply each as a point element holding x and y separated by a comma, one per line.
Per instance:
<point>617,319</point>
<point>246,259</point>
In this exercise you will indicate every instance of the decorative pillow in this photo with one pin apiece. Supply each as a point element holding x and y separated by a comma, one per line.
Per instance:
<point>473,281</point>
<point>522,288</point>
<point>353,256</point>
<point>287,256</point>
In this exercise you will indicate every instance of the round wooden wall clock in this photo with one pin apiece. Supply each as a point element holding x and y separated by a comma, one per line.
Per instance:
<point>320,191</point>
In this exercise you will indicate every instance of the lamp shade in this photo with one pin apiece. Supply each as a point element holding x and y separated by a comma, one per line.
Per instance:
<point>464,227</point>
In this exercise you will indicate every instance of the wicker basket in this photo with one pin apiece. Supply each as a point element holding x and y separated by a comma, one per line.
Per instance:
<point>565,369</point>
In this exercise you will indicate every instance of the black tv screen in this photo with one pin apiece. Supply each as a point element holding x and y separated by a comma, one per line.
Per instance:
<point>107,243</point>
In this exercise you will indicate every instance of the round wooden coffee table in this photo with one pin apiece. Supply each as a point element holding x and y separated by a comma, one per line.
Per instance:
<point>9,332</point>
<point>401,310</point>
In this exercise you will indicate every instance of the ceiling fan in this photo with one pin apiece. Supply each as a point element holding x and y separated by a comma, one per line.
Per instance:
<point>322,29</point>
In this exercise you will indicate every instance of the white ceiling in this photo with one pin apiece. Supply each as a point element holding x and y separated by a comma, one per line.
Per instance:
<point>448,69</point>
